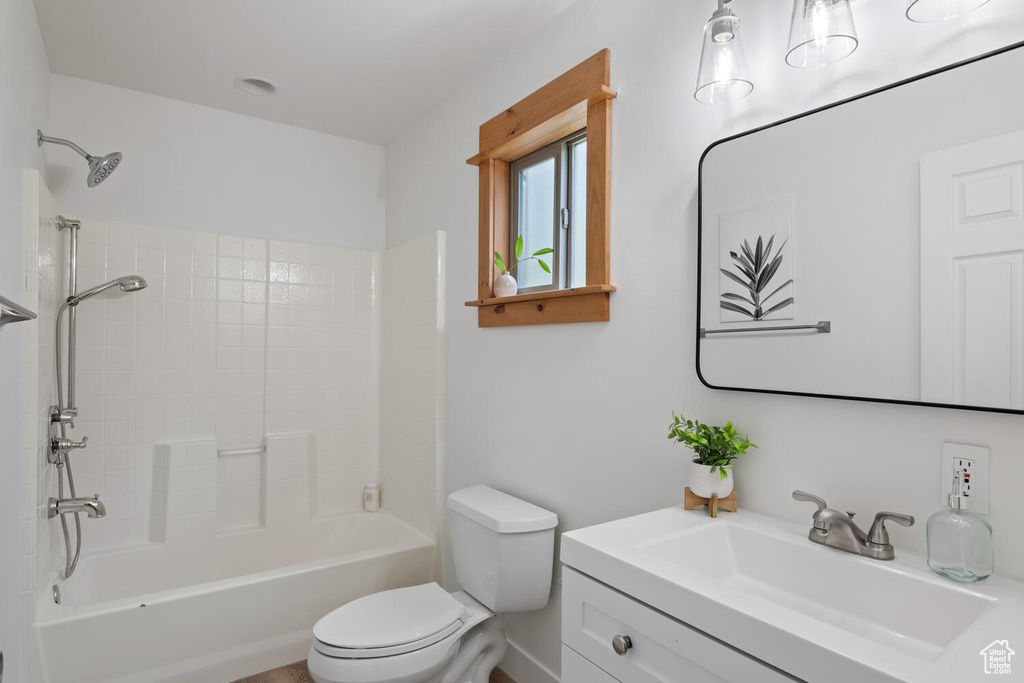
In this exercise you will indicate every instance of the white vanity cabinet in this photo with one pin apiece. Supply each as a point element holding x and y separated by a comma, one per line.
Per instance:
<point>599,622</point>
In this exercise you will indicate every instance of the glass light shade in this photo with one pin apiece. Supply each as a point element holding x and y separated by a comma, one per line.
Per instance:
<point>723,63</point>
<point>924,11</point>
<point>822,33</point>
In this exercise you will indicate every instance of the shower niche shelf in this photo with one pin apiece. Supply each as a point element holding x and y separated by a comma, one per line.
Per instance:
<point>11,312</point>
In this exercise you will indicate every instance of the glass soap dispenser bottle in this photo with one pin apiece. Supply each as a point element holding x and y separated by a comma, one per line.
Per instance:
<point>959,541</point>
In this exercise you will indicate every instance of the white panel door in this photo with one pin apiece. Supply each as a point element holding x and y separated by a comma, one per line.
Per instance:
<point>972,273</point>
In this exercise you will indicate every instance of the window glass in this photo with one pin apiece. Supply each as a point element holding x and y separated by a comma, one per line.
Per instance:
<point>578,213</point>
<point>537,200</point>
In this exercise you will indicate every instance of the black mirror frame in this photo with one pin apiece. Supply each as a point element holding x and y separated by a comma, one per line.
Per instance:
<point>700,240</point>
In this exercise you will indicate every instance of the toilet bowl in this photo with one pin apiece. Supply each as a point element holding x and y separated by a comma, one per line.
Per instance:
<point>503,549</point>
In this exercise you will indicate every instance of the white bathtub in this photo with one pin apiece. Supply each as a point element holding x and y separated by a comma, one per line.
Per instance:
<point>222,610</point>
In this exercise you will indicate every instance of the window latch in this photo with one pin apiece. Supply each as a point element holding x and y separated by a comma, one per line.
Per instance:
<point>565,219</point>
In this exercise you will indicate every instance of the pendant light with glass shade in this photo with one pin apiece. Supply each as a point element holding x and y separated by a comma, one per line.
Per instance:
<point>925,11</point>
<point>723,75</point>
<point>822,33</point>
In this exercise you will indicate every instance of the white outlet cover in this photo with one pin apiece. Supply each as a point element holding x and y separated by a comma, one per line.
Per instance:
<point>979,481</point>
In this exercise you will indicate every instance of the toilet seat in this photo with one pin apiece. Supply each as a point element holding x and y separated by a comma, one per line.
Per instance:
<point>389,623</point>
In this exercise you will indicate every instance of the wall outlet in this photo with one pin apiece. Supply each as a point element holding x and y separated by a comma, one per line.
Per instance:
<point>973,460</point>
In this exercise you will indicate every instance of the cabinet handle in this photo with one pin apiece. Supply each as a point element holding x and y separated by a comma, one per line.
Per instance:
<point>621,644</point>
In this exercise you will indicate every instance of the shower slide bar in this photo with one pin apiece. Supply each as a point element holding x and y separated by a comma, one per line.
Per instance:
<point>11,312</point>
<point>822,327</point>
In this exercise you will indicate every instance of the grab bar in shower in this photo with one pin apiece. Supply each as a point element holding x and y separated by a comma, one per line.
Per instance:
<point>11,312</point>
<point>228,452</point>
<point>821,327</point>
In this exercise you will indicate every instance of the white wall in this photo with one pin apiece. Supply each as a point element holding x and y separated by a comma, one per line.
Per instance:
<point>24,106</point>
<point>574,417</point>
<point>193,167</point>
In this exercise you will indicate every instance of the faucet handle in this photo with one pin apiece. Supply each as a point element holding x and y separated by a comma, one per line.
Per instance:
<point>819,524</point>
<point>878,535</point>
<point>808,498</point>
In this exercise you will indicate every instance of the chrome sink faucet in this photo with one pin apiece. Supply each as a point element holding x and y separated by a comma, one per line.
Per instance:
<point>834,529</point>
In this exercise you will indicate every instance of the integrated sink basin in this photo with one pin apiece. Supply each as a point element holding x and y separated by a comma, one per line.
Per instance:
<point>816,613</point>
<point>859,595</point>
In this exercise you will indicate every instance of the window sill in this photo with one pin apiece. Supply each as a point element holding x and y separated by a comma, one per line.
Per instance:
<point>577,305</point>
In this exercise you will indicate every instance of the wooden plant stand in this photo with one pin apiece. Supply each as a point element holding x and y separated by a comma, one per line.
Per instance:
<point>713,503</point>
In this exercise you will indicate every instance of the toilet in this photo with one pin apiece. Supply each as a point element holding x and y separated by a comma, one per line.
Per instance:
<point>503,549</point>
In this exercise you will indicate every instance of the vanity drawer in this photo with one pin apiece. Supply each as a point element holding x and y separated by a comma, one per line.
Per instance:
<point>662,650</point>
<point>577,669</point>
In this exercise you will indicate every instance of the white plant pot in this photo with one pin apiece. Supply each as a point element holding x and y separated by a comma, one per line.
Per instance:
<point>505,285</point>
<point>704,482</point>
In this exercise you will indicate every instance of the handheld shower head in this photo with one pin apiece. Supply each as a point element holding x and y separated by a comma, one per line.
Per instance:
<point>100,168</point>
<point>128,283</point>
<point>131,283</point>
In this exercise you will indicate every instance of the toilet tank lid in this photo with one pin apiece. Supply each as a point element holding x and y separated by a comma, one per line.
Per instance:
<point>501,512</point>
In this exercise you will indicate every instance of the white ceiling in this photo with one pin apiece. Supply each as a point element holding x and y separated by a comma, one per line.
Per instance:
<point>362,69</point>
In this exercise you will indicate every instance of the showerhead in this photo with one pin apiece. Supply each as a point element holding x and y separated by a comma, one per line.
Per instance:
<point>100,168</point>
<point>128,283</point>
<point>131,283</point>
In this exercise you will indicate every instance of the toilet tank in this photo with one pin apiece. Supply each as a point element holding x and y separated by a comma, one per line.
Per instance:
<point>503,547</point>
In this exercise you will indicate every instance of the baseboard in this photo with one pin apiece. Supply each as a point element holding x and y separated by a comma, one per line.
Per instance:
<point>520,667</point>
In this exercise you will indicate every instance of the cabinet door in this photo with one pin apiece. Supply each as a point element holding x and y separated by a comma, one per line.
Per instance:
<point>576,669</point>
<point>663,650</point>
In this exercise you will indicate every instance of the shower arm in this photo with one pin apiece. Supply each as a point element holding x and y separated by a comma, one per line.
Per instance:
<point>40,139</point>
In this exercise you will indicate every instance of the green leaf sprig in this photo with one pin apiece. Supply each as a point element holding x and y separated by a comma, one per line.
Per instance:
<point>714,446</point>
<point>500,262</point>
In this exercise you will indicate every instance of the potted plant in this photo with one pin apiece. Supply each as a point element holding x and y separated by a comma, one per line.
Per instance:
<point>714,449</point>
<point>505,284</point>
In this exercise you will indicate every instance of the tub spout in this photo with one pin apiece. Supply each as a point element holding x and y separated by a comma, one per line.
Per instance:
<point>65,506</point>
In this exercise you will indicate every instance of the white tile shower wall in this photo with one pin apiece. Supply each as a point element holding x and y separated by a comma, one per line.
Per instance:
<point>43,256</point>
<point>290,493</point>
<point>322,364</point>
<point>412,387</point>
<point>234,338</point>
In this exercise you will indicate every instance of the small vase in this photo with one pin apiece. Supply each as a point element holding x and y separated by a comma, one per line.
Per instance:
<point>704,482</point>
<point>505,285</point>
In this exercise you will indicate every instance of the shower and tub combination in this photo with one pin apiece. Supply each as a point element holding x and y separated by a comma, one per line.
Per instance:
<point>215,603</point>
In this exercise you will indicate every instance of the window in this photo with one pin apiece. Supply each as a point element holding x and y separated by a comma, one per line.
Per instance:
<point>548,189</point>
<point>545,163</point>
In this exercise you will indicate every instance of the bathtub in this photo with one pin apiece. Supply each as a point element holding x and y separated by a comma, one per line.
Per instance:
<point>223,609</point>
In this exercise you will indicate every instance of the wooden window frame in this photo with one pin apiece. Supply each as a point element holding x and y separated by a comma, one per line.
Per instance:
<point>580,98</point>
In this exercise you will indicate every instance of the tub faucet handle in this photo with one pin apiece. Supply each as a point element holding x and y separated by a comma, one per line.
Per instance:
<point>65,444</point>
